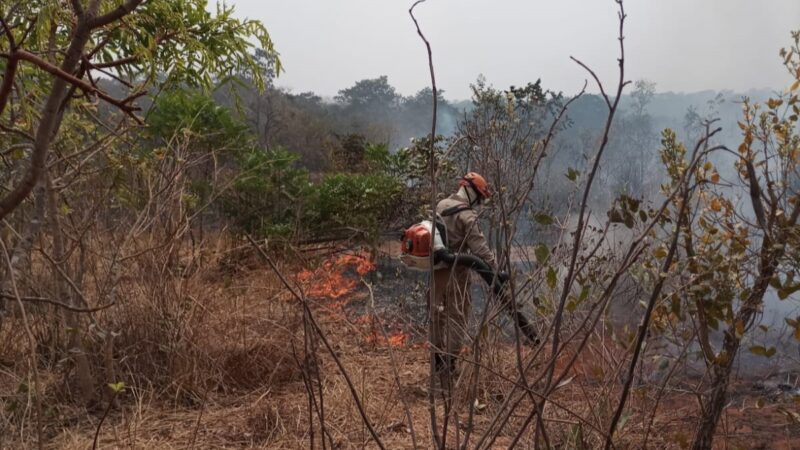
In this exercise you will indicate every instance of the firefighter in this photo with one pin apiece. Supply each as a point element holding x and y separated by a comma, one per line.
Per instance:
<point>451,285</point>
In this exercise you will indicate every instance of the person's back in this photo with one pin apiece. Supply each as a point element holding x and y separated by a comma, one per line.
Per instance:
<point>463,230</point>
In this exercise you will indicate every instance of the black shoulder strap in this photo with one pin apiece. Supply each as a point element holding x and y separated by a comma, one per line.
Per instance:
<point>453,210</point>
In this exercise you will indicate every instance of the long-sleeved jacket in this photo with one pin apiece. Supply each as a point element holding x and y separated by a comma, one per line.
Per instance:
<point>463,230</point>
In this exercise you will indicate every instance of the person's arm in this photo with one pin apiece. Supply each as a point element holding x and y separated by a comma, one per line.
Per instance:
<point>475,240</point>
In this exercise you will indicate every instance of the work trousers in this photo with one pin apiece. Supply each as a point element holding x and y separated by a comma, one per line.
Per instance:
<point>451,309</point>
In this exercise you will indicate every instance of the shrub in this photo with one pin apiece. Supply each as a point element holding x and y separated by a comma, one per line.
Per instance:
<point>357,201</point>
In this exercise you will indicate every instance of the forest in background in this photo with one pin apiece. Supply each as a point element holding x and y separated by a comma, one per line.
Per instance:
<point>175,230</point>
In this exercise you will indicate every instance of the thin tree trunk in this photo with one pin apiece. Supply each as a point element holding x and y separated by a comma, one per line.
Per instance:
<point>721,371</point>
<point>84,383</point>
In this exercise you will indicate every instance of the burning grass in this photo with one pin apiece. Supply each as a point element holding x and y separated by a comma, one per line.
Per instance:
<point>336,277</point>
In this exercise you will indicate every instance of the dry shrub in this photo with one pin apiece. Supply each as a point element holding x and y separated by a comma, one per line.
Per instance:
<point>187,334</point>
<point>260,365</point>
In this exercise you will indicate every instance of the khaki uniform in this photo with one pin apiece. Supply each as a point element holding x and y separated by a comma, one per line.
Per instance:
<point>451,286</point>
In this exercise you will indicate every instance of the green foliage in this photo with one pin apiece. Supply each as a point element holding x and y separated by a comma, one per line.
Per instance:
<point>371,93</point>
<point>268,193</point>
<point>273,197</point>
<point>117,387</point>
<point>180,41</point>
<point>183,113</point>
<point>356,201</point>
<point>413,163</point>
<point>673,155</point>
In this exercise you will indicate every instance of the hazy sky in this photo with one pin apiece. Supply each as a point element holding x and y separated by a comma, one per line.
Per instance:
<point>682,45</point>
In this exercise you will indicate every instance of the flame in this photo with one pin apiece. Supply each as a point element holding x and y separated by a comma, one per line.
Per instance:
<point>338,277</point>
<point>396,339</point>
<point>331,280</point>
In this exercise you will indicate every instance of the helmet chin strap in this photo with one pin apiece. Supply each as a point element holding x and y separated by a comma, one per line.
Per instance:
<point>472,197</point>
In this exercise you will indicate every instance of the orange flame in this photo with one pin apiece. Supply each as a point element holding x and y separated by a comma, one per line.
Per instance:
<point>396,339</point>
<point>331,280</point>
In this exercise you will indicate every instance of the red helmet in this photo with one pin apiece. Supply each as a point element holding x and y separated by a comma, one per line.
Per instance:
<point>476,182</point>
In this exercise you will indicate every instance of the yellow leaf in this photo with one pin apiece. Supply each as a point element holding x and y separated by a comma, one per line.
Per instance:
<point>707,166</point>
<point>795,86</point>
<point>716,205</point>
<point>773,103</point>
<point>660,252</point>
<point>743,148</point>
<point>781,134</point>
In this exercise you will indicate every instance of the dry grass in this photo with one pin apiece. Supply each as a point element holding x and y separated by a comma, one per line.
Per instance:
<point>214,359</point>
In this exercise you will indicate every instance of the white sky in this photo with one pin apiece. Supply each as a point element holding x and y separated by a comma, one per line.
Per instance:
<point>682,45</point>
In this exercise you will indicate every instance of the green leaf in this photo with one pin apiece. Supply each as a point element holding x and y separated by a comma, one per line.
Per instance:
<point>543,218</point>
<point>552,278</point>
<point>762,351</point>
<point>584,293</point>
<point>117,387</point>
<point>571,305</point>
<point>785,291</point>
<point>572,174</point>
<point>542,253</point>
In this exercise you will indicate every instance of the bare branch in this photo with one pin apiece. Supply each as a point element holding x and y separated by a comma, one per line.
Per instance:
<point>59,304</point>
<point>124,104</point>
<point>118,13</point>
<point>596,79</point>
<point>32,343</point>
<point>438,440</point>
<point>578,236</point>
<point>755,196</point>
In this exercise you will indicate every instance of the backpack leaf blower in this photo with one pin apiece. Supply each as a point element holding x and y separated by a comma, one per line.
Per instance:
<point>416,248</point>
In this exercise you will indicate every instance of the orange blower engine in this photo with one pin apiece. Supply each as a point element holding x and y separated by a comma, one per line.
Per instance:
<point>416,246</point>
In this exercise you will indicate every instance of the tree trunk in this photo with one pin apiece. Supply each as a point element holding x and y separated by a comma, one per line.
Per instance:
<point>721,370</point>
<point>48,123</point>
<point>84,382</point>
<point>715,402</point>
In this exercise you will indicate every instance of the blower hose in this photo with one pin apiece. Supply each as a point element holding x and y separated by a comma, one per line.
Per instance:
<point>495,281</point>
